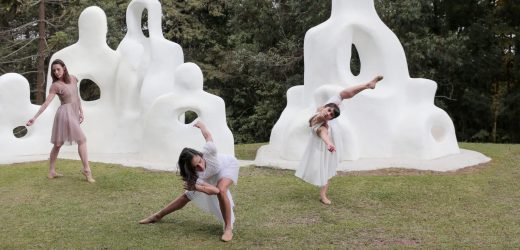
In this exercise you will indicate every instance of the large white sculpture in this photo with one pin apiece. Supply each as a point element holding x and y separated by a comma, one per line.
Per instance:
<point>145,90</point>
<point>397,121</point>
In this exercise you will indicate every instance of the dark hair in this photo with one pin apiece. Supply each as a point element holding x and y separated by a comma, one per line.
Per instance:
<point>335,107</point>
<point>188,173</point>
<point>66,77</point>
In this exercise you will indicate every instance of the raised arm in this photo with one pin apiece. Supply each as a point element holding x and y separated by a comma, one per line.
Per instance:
<point>354,90</point>
<point>205,132</point>
<point>50,97</point>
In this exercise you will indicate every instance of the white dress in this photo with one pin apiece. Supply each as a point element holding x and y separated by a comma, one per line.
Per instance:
<point>218,166</point>
<point>318,164</point>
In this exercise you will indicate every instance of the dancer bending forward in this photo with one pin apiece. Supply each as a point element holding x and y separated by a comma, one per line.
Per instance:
<point>320,158</point>
<point>69,115</point>
<point>207,177</point>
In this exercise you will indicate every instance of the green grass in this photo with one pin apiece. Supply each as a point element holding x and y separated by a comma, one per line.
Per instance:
<point>247,151</point>
<point>476,208</point>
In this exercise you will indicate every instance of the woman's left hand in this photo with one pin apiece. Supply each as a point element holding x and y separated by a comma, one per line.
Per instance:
<point>81,118</point>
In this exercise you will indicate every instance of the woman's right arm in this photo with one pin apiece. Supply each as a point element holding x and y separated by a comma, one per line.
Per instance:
<point>323,133</point>
<point>207,188</point>
<point>202,187</point>
<point>50,97</point>
<point>205,132</point>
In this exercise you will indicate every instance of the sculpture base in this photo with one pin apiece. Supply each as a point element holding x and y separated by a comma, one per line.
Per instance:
<point>466,158</point>
<point>125,159</point>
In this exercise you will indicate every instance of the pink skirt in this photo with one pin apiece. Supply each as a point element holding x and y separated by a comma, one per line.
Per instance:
<point>66,129</point>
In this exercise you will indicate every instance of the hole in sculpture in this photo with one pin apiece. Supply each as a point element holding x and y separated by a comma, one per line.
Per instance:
<point>438,133</point>
<point>355,62</point>
<point>20,131</point>
<point>144,23</point>
<point>89,90</point>
<point>188,117</point>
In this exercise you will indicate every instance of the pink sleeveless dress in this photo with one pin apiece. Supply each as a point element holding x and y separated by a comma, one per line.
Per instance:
<point>66,129</point>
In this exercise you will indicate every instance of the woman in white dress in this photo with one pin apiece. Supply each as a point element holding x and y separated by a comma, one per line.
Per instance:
<point>320,158</point>
<point>207,177</point>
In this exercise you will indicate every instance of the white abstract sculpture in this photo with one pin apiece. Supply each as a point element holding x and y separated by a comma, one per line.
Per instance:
<point>15,107</point>
<point>165,122</point>
<point>397,120</point>
<point>138,119</point>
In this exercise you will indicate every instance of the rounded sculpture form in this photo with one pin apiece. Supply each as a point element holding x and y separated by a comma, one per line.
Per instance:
<point>165,129</point>
<point>153,57</point>
<point>15,108</point>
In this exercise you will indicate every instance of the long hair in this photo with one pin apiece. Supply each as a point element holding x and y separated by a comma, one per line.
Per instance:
<point>66,77</point>
<point>188,173</point>
<point>335,109</point>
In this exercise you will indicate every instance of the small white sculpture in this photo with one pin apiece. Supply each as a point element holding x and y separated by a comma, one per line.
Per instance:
<point>398,121</point>
<point>15,109</point>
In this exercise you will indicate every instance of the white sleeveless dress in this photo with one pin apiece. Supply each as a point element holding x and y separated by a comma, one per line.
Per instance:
<point>218,166</point>
<point>318,164</point>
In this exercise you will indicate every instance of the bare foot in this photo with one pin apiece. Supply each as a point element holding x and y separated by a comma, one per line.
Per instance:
<point>372,84</point>
<point>227,236</point>
<point>88,175</point>
<point>54,175</point>
<point>325,200</point>
<point>150,219</point>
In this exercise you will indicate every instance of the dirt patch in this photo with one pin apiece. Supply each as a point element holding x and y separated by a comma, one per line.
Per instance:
<point>403,242</point>
<point>408,172</point>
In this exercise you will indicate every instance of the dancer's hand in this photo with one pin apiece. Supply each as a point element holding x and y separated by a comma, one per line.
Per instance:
<point>30,122</point>
<point>81,118</point>
<point>331,148</point>
<point>199,124</point>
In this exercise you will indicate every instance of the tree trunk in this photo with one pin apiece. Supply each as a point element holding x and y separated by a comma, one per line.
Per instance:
<point>40,78</point>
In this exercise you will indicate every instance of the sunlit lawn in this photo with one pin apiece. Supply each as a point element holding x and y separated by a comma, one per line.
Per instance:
<point>477,208</point>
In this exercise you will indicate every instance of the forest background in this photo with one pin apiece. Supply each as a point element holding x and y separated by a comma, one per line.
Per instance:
<point>251,52</point>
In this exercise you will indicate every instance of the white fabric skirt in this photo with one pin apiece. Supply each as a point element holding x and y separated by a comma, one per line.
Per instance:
<point>209,203</point>
<point>318,165</point>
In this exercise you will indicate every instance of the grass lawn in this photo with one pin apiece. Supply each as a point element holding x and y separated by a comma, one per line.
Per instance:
<point>471,208</point>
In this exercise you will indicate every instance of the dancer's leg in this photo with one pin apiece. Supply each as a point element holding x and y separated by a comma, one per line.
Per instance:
<point>176,204</point>
<point>52,165</point>
<point>354,90</point>
<point>225,208</point>
<point>82,151</point>
<point>323,194</point>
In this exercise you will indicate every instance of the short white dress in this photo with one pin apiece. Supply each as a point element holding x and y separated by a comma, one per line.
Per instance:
<point>318,164</point>
<point>218,166</point>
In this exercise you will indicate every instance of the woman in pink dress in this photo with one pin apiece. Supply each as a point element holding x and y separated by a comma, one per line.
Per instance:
<point>66,129</point>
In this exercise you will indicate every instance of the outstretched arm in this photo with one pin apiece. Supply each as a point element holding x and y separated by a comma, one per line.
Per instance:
<point>50,97</point>
<point>205,132</point>
<point>323,133</point>
<point>354,90</point>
